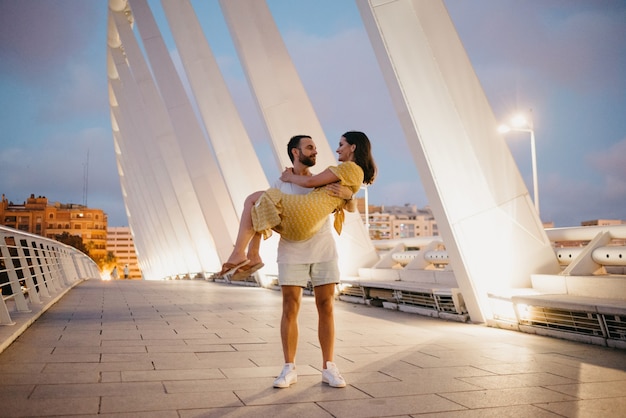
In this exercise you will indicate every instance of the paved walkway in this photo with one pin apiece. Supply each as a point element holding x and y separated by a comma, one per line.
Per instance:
<point>200,349</point>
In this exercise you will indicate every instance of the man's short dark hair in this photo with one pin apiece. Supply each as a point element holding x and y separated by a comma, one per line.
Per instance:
<point>294,142</point>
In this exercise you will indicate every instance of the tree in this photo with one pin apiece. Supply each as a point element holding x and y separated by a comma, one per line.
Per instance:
<point>72,240</point>
<point>108,262</point>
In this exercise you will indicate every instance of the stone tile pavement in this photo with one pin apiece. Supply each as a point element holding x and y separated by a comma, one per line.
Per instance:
<point>201,349</point>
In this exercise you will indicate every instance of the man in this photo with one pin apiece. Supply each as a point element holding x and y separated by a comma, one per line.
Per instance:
<point>312,260</point>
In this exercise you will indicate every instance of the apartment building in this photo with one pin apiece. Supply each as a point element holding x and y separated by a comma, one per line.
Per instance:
<point>38,216</point>
<point>120,243</point>
<point>396,222</point>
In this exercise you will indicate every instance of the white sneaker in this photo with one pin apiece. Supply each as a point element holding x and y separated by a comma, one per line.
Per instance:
<point>287,377</point>
<point>332,376</point>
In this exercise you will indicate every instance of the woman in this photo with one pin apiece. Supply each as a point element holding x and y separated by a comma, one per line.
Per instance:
<point>298,217</point>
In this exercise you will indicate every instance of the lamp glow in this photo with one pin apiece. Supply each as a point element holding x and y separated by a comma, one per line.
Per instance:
<point>520,123</point>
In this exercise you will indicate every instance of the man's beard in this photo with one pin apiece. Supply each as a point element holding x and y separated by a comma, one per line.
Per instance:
<point>307,161</point>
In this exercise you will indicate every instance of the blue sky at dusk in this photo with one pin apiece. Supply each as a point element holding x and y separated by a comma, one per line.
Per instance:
<point>564,59</point>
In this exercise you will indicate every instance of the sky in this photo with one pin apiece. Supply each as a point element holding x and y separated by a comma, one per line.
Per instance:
<point>561,61</point>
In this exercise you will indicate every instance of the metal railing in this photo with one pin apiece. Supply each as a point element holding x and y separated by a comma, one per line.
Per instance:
<point>602,244</point>
<point>34,269</point>
<point>415,271</point>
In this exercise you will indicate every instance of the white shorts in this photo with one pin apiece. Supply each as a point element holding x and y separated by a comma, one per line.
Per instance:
<point>300,274</point>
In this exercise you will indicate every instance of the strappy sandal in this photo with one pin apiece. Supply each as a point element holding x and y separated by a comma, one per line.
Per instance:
<point>246,271</point>
<point>230,268</point>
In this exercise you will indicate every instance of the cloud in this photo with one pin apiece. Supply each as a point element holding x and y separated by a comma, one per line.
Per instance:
<point>610,163</point>
<point>38,37</point>
<point>58,105</point>
<point>397,192</point>
<point>568,200</point>
<point>342,78</point>
<point>82,98</point>
<point>63,169</point>
<point>523,48</point>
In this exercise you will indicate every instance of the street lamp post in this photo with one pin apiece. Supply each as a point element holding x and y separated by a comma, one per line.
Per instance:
<point>520,124</point>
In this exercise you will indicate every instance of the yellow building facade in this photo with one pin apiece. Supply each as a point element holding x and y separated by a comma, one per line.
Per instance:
<point>38,216</point>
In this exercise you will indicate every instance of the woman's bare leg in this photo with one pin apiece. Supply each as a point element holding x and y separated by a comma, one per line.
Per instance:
<point>253,249</point>
<point>246,231</point>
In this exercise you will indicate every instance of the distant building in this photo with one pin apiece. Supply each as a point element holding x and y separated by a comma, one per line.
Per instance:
<point>409,221</point>
<point>396,222</point>
<point>120,243</point>
<point>594,222</point>
<point>379,225</point>
<point>607,222</point>
<point>602,222</point>
<point>37,216</point>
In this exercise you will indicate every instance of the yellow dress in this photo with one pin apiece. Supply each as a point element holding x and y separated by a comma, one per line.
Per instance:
<point>299,217</point>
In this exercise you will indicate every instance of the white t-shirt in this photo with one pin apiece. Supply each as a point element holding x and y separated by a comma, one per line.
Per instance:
<point>317,249</point>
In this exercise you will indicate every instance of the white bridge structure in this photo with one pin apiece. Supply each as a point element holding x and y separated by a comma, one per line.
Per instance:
<point>585,301</point>
<point>186,165</point>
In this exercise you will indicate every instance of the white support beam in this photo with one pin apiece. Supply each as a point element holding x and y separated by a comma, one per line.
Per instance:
<point>161,218</point>
<point>231,144</point>
<point>275,83</point>
<point>175,119</point>
<point>287,110</point>
<point>163,234</point>
<point>473,185</point>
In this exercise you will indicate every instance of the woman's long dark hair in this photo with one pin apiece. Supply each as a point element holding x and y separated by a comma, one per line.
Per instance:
<point>362,154</point>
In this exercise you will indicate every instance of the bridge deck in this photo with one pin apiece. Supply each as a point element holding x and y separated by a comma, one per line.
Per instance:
<point>193,348</point>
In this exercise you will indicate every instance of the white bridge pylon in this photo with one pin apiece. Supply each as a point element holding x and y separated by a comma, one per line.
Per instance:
<point>208,164</point>
<point>493,234</point>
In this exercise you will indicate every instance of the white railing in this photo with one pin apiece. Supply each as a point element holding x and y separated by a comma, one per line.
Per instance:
<point>34,269</point>
<point>593,246</point>
<point>602,244</point>
<point>585,301</point>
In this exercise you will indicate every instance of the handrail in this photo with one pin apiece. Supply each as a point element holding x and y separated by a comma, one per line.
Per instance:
<point>613,255</point>
<point>34,268</point>
<point>585,233</point>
